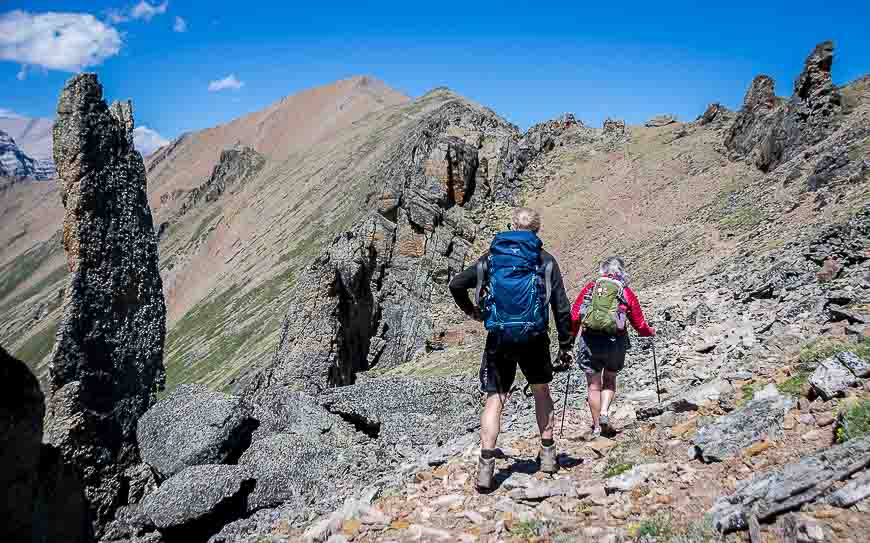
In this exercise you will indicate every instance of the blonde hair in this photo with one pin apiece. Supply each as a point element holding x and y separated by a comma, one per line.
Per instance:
<point>526,218</point>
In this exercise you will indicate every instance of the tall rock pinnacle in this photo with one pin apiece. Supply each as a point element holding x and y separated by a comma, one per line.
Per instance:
<point>107,363</point>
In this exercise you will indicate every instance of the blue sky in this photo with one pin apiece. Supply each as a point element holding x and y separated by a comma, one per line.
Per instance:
<point>529,61</point>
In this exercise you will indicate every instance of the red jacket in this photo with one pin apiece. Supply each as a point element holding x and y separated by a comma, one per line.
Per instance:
<point>634,312</point>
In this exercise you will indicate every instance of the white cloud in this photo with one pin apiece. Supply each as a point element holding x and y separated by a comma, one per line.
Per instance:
<point>229,82</point>
<point>180,25</point>
<point>147,140</point>
<point>143,10</point>
<point>57,41</point>
<point>9,114</point>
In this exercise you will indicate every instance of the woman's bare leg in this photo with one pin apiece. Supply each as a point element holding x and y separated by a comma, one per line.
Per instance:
<point>593,396</point>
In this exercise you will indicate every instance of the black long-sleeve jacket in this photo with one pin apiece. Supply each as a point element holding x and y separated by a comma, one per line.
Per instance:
<point>559,303</point>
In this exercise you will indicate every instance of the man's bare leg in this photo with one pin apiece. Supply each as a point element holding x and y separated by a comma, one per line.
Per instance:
<point>490,420</point>
<point>544,410</point>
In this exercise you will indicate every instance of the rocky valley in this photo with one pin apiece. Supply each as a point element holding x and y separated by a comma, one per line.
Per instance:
<point>248,336</point>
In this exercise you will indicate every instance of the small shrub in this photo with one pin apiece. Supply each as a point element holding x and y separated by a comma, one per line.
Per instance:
<point>854,421</point>
<point>527,528</point>
<point>699,531</point>
<point>617,469</point>
<point>794,384</point>
<point>747,392</point>
<point>564,539</point>
<point>658,526</point>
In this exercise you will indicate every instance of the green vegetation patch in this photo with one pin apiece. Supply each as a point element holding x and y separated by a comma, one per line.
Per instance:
<point>526,529</point>
<point>743,218</point>
<point>658,526</point>
<point>795,384</point>
<point>617,469</point>
<point>37,346</point>
<point>55,276</point>
<point>859,150</point>
<point>822,348</point>
<point>204,229</point>
<point>747,392</point>
<point>15,273</point>
<point>202,345</point>
<point>854,421</point>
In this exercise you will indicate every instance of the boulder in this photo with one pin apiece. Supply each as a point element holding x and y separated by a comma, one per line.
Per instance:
<point>401,411</point>
<point>852,492</point>
<point>280,410</point>
<point>21,410</point>
<point>789,487</point>
<point>199,500</point>
<point>762,418</point>
<point>195,426</point>
<point>614,128</point>
<point>107,363</point>
<point>831,378</point>
<point>293,468</point>
<point>857,365</point>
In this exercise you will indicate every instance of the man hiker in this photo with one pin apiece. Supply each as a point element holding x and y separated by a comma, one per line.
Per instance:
<point>600,312</point>
<point>516,283</point>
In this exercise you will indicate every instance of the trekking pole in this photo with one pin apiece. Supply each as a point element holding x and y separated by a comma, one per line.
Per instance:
<point>565,407</point>
<point>656,370</point>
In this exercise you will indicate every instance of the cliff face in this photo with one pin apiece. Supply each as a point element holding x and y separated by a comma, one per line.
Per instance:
<point>107,363</point>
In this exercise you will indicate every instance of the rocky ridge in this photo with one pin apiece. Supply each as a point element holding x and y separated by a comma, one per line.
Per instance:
<point>15,163</point>
<point>348,450</point>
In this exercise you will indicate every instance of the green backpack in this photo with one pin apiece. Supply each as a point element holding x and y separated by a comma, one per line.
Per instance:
<point>605,308</point>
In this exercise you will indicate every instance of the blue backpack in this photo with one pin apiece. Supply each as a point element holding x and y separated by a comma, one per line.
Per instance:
<point>517,294</point>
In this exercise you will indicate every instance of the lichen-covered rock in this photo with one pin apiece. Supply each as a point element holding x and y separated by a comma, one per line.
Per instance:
<point>407,413</point>
<point>832,378</point>
<point>22,407</point>
<point>295,469</point>
<point>857,365</point>
<point>195,426</point>
<point>197,501</point>
<point>107,364</point>
<point>761,418</point>
<point>280,410</point>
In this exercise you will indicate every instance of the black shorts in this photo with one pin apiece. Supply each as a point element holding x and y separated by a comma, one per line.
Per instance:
<point>498,369</point>
<point>596,352</point>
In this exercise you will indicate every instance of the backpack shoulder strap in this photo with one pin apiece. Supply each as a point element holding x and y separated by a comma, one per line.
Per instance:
<point>548,280</point>
<point>480,266</point>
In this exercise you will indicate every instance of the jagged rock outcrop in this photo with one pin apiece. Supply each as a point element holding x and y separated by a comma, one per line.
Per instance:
<point>22,407</point>
<point>234,166</point>
<point>751,123</point>
<point>194,426</point>
<point>770,131</point>
<point>546,136</point>
<point>366,300</point>
<point>107,364</point>
<point>715,112</point>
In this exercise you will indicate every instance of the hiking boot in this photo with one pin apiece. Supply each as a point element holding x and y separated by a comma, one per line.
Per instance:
<point>596,432</point>
<point>547,459</point>
<point>604,422</point>
<point>485,474</point>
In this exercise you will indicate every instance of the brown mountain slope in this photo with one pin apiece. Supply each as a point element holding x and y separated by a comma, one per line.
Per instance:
<point>197,251</point>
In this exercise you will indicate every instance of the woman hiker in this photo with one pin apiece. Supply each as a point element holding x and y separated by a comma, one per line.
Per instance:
<point>600,312</point>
